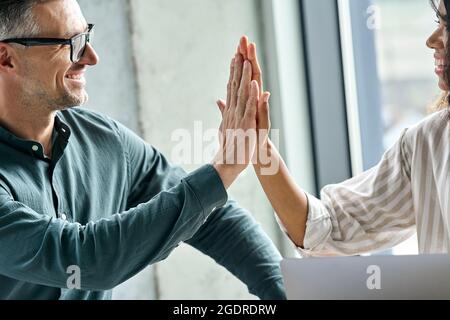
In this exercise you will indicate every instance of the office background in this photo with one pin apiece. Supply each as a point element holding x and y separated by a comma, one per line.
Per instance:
<point>346,76</point>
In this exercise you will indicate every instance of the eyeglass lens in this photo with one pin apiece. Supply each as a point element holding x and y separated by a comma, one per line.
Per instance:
<point>79,46</point>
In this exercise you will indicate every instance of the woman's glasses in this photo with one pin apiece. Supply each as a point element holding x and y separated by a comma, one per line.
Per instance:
<point>77,43</point>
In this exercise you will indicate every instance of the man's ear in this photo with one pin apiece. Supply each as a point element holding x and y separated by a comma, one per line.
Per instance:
<point>7,56</point>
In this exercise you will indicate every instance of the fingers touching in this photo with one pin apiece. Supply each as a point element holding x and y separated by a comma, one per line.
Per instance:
<point>236,83</point>
<point>243,47</point>
<point>253,58</point>
<point>244,89</point>
<point>230,82</point>
<point>263,115</point>
<point>252,102</point>
<point>248,52</point>
<point>244,69</point>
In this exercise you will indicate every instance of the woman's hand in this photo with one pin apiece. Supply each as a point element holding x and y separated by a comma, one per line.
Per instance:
<point>248,52</point>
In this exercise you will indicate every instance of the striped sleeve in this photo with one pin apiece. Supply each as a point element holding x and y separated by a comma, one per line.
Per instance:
<point>373,211</point>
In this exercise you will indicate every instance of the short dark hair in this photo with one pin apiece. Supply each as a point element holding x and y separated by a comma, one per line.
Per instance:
<point>16,18</point>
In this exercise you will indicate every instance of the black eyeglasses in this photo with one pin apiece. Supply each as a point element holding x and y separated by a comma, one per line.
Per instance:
<point>77,43</point>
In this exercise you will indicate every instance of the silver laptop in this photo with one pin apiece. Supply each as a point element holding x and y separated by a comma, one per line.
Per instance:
<point>421,277</point>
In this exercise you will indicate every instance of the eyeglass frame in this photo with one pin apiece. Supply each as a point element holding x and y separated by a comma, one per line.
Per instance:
<point>32,42</point>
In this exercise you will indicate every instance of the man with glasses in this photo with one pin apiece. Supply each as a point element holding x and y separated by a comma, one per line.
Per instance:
<point>80,192</point>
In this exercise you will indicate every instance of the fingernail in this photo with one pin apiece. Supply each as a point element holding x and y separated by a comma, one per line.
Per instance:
<point>266,97</point>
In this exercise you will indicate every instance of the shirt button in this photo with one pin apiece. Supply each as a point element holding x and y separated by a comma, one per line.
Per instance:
<point>63,216</point>
<point>35,148</point>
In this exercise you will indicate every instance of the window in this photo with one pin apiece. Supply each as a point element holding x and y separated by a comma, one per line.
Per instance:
<point>388,73</point>
<point>405,64</point>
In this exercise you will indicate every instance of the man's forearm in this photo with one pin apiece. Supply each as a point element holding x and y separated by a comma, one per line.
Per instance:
<point>288,200</point>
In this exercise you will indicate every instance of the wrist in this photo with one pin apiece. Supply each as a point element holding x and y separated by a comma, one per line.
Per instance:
<point>263,151</point>
<point>227,173</point>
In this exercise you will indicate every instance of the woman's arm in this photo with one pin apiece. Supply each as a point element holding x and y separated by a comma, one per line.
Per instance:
<point>288,200</point>
<point>373,211</point>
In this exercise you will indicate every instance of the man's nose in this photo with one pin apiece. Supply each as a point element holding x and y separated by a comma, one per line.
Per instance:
<point>90,57</point>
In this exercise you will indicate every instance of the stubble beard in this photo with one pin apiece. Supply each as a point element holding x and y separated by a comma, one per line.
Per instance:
<point>34,96</point>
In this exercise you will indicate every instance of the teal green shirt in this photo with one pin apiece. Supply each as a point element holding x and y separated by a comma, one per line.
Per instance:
<point>111,205</point>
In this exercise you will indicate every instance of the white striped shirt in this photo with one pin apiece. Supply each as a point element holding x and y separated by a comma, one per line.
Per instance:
<point>408,191</point>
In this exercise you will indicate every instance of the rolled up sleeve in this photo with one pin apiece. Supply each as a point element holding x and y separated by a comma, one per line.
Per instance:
<point>370,212</point>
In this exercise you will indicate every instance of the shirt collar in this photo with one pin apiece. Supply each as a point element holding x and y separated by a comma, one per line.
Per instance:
<point>61,132</point>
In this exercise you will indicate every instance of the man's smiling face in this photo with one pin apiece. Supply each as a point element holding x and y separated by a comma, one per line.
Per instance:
<point>46,74</point>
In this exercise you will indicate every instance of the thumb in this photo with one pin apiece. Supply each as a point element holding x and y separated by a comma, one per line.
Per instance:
<point>222,105</point>
<point>263,112</point>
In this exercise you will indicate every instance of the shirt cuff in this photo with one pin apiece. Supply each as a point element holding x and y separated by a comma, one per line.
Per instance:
<point>208,188</point>
<point>318,227</point>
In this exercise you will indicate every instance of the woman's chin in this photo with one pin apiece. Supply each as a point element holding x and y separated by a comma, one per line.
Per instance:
<point>443,85</point>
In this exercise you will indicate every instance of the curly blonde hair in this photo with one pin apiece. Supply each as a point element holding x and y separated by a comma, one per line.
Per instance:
<point>442,103</point>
